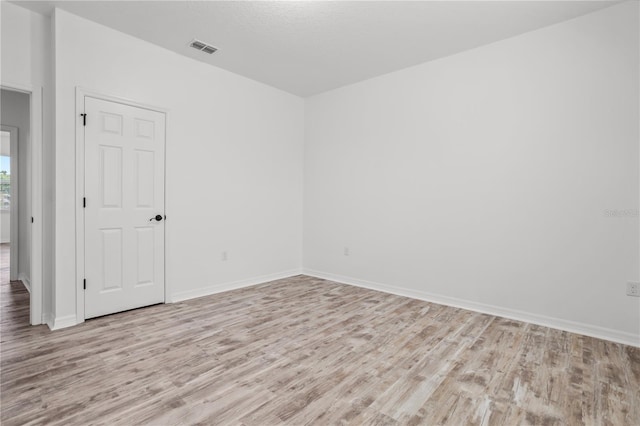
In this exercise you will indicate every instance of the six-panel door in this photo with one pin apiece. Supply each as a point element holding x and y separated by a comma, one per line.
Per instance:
<point>124,190</point>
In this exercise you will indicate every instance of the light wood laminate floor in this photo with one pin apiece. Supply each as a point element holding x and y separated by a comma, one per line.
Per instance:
<point>308,351</point>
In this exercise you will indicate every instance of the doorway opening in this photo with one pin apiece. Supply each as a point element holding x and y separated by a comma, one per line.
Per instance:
<point>16,207</point>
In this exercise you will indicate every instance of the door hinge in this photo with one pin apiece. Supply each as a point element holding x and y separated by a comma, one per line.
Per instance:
<point>31,219</point>
<point>84,202</point>
<point>84,119</point>
<point>84,284</point>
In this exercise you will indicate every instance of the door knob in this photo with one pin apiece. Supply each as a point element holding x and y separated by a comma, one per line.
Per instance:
<point>158,218</point>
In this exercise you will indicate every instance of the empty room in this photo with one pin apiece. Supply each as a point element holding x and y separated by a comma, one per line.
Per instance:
<point>320,213</point>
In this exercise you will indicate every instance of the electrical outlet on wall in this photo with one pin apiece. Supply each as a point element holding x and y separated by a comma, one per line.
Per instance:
<point>633,288</point>
<point>346,251</point>
<point>224,256</point>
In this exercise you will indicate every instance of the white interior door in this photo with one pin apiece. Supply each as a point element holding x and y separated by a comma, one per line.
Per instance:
<point>124,207</point>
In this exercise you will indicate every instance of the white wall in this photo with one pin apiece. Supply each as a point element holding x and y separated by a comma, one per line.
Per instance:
<point>234,160</point>
<point>26,60</point>
<point>483,179</point>
<point>15,111</point>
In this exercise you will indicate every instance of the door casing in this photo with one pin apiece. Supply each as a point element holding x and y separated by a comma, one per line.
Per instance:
<point>81,93</point>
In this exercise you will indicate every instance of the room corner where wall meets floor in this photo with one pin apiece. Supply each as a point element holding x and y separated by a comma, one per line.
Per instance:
<point>498,311</point>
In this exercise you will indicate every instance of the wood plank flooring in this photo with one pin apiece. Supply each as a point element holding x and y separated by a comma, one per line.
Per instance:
<point>308,351</point>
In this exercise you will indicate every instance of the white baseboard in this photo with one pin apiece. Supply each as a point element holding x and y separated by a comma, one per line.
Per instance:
<point>62,322</point>
<point>557,323</point>
<point>220,288</point>
<point>25,280</point>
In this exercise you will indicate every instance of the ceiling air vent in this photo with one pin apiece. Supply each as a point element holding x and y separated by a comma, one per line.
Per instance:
<point>204,47</point>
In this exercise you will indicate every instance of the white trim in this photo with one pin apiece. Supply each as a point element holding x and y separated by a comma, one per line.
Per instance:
<point>14,190</point>
<point>167,214</point>
<point>118,99</point>
<point>37,197</point>
<point>81,94</point>
<point>16,87</point>
<point>47,318</point>
<point>557,323</point>
<point>25,280</point>
<point>79,207</point>
<point>36,123</point>
<point>62,322</point>
<point>220,288</point>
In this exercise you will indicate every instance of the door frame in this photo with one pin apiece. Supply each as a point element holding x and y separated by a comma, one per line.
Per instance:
<point>14,224</point>
<point>81,94</point>
<point>35,124</point>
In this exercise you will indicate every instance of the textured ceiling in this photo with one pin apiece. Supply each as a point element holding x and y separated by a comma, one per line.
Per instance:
<point>308,47</point>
